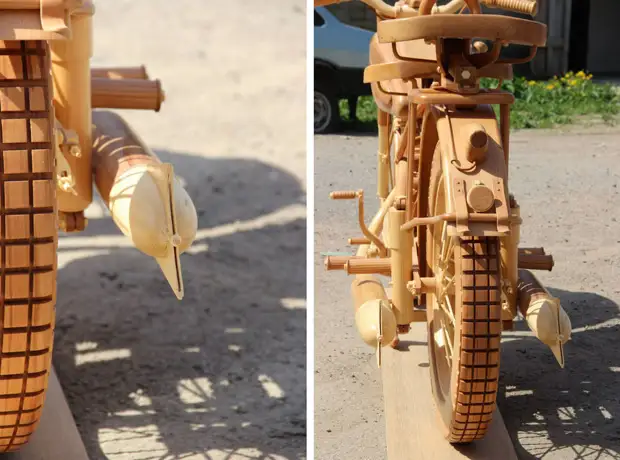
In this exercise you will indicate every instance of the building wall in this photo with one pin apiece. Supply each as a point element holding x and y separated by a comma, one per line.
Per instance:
<point>356,14</point>
<point>604,37</point>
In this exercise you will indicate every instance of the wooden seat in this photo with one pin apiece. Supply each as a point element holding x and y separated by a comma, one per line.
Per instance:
<point>485,26</point>
<point>388,71</point>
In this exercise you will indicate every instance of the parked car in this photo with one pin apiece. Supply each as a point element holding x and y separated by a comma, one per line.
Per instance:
<point>340,56</point>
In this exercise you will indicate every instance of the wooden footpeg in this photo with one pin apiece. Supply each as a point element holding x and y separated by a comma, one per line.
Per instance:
<point>343,195</point>
<point>535,261</point>
<point>127,94</point>
<point>355,265</point>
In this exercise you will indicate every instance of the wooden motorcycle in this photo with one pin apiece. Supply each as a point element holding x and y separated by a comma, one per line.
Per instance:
<point>447,229</point>
<point>53,149</point>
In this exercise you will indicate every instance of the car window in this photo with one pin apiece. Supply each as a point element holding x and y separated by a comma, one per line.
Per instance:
<point>318,20</point>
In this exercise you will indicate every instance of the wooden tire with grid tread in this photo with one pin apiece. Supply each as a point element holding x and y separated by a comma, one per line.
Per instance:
<point>464,322</point>
<point>28,238</point>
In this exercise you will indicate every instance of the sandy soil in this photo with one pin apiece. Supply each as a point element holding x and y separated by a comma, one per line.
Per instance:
<point>222,373</point>
<point>568,184</point>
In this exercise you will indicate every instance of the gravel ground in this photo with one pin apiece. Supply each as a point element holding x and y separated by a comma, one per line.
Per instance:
<point>568,184</point>
<point>222,373</point>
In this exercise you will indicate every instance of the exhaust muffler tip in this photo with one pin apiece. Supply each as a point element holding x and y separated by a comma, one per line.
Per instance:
<point>376,323</point>
<point>548,320</point>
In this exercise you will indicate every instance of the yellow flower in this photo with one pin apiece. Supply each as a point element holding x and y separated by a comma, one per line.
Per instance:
<point>573,82</point>
<point>581,74</point>
<point>550,86</point>
<point>531,82</point>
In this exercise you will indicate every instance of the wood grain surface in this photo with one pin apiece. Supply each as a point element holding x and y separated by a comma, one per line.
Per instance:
<point>28,238</point>
<point>412,422</point>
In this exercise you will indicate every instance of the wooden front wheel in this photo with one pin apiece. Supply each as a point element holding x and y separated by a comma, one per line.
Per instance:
<point>464,321</point>
<point>28,238</point>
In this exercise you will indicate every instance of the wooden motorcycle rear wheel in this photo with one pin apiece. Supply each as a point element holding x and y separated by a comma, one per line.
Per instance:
<point>28,238</point>
<point>464,321</point>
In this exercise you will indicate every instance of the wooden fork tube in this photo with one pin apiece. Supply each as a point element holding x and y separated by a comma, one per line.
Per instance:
<point>72,97</point>
<point>126,94</point>
<point>401,258</point>
<point>509,253</point>
<point>383,163</point>
<point>413,119</point>
<point>504,121</point>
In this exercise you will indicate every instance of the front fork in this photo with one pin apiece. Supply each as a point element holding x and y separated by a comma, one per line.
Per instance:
<point>70,63</point>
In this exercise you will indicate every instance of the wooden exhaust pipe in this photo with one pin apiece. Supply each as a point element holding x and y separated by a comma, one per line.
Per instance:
<point>544,315</point>
<point>374,319</point>
<point>146,201</point>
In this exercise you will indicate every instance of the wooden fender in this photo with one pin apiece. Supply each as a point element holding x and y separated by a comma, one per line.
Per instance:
<point>455,129</point>
<point>146,200</point>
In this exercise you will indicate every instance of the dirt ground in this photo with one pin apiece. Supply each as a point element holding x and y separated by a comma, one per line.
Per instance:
<point>222,373</point>
<point>567,184</point>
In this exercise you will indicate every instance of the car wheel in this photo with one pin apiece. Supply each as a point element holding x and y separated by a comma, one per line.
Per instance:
<point>326,113</point>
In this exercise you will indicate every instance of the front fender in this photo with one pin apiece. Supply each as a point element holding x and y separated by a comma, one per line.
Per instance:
<point>463,175</point>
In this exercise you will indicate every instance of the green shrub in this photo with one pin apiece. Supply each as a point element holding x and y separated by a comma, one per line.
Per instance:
<point>539,104</point>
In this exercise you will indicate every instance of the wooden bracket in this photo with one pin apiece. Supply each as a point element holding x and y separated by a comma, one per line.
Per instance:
<point>70,222</point>
<point>460,207</point>
<point>501,207</point>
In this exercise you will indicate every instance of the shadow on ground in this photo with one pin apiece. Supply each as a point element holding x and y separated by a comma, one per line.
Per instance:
<point>570,413</point>
<point>221,373</point>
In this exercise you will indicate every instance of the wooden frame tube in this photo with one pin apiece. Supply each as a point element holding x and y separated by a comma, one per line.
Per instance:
<point>401,259</point>
<point>383,163</point>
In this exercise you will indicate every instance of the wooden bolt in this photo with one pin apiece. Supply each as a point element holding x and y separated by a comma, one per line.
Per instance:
<point>477,142</point>
<point>480,198</point>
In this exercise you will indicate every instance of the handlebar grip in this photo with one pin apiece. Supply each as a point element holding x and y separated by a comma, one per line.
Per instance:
<point>343,195</point>
<point>518,6</point>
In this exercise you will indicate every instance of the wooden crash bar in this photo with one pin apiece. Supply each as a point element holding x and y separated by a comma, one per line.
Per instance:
<point>529,259</point>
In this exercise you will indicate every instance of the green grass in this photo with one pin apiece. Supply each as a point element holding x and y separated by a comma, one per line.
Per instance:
<point>538,104</point>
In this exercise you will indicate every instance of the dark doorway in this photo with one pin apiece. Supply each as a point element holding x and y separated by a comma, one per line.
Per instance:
<point>579,34</point>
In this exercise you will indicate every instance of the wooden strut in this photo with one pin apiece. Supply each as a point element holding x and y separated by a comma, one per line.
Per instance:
<point>451,217</point>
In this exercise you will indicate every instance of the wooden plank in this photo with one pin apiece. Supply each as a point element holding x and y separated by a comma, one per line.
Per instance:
<point>412,423</point>
<point>57,436</point>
